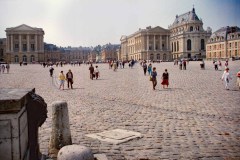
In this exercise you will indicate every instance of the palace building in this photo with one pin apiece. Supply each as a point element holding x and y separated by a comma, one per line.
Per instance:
<point>188,38</point>
<point>224,43</point>
<point>24,44</point>
<point>146,44</point>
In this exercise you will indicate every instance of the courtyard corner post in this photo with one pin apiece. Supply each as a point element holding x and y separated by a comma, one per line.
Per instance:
<point>61,135</point>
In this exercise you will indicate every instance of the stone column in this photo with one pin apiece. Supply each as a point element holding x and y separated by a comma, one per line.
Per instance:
<point>11,43</point>
<point>28,43</point>
<point>160,47</point>
<point>20,42</point>
<point>36,42</point>
<point>154,43</point>
<point>8,43</point>
<point>147,46</point>
<point>167,42</point>
<point>147,42</point>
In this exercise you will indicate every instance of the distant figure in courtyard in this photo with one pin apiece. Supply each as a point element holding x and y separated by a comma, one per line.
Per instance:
<point>180,65</point>
<point>144,68</point>
<point>202,64</point>
<point>150,69</point>
<point>8,67</point>
<point>165,79</point>
<point>154,77</point>
<point>96,72</point>
<point>69,77</point>
<point>3,68</point>
<point>226,78</point>
<point>62,79</point>
<point>184,64</point>
<point>114,66</point>
<point>216,65</point>
<point>219,65</point>
<point>91,69</point>
<point>51,70</point>
<point>238,79</point>
<point>226,64</point>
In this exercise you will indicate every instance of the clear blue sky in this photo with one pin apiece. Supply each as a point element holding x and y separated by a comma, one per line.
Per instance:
<point>92,22</point>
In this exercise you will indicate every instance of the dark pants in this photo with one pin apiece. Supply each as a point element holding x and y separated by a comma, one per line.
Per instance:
<point>70,81</point>
<point>96,74</point>
<point>145,70</point>
<point>154,82</point>
<point>91,75</point>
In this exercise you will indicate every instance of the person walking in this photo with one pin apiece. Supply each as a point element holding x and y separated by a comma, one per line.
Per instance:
<point>96,72</point>
<point>238,79</point>
<point>91,69</point>
<point>150,69</point>
<point>69,77</point>
<point>226,77</point>
<point>154,77</point>
<point>184,64</point>
<point>220,65</point>
<point>180,65</point>
<point>62,79</point>
<point>165,79</point>
<point>144,68</point>
<point>51,70</point>
<point>8,67</point>
<point>3,68</point>
<point>216,65</point>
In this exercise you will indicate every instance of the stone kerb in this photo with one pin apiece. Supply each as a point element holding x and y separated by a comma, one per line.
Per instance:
<point>60,135</point>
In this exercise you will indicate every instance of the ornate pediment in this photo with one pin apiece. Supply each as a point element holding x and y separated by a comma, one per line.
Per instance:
<point>158,29</point>
<point>24,27</point>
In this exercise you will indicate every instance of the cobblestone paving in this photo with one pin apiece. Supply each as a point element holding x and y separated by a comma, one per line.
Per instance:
<point>196,118</point>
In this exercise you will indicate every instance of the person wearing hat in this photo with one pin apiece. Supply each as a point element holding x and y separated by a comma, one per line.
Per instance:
<point>226,77</point>
<point>69,77</point>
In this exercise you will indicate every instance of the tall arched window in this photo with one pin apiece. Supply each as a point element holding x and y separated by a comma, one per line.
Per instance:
<point>151,57</point>
<point>189,45</point>
<point>177,46</point>
<point>24,58</point>
<point>16,59</point>
<point>158,56</point>
<point>202,44</point>
<point>191,28</point>
<point>32,58</point>
<point>174,46</point>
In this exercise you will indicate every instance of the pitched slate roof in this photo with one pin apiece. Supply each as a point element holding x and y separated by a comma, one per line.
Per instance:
<point>186,17</point>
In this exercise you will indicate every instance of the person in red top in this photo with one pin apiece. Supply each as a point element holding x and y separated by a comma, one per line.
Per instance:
<point>165,78</point>
<point>238,79</point>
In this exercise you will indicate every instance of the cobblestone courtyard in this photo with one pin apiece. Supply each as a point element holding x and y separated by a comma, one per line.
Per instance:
<point>196,118</point>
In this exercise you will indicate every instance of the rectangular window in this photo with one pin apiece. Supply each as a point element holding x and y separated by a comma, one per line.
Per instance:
<point>24,47</point>
<point>235,44</point>
<point>32,47</point>
<point>24,37</point>
<point>16,46</point>
<point>32,36</point>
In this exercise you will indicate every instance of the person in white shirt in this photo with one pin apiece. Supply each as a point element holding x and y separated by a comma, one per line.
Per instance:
<point>96,72</point>
<point>226,77</point>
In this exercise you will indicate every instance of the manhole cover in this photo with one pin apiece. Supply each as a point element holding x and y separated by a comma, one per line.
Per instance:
<point>115,136</point>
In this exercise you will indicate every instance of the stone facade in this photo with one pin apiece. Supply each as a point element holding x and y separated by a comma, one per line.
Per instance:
<point>24,43</point>
<point>188,38</point>
<point>224,43</point>
<point>147,44</point>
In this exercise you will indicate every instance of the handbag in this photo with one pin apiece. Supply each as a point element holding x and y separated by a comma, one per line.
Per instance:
<point>150,78</point>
